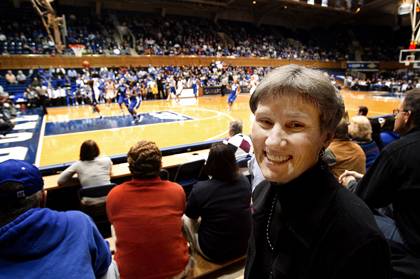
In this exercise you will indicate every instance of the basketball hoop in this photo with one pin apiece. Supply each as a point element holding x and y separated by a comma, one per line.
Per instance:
<point>407,63</point>
<point>78,49</point>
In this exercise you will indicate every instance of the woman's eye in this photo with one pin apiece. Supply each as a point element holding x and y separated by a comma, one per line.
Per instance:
<point>295,125</point>
<point>264,122</point>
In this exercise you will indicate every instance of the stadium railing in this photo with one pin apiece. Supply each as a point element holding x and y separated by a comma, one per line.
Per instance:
<point>119,159</point>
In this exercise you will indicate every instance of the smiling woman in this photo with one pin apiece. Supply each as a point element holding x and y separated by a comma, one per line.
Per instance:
<point>305,224</point>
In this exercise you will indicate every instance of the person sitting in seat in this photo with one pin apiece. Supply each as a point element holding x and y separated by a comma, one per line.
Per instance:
<point>91,169</point>
<point>387,134</point>
<point>218,214</point>
<point>146,213</point>
<point>241,144</point>
<point>393,183</point>
<point>7,114</point>
<point>305,225</point>
<point>10,77</point>
<point>42,243</point>
<point>348,154</point>
<point>360,130</point>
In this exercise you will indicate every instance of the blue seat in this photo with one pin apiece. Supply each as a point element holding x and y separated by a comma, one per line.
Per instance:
<point>96,191</point>
<point>188,174</point>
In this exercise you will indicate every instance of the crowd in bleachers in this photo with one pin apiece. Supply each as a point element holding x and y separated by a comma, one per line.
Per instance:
<point>69,86</point>
<point>124,33</point>
<point>389,81</point>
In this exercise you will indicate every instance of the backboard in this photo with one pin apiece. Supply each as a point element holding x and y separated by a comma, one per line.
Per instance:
<point>409,56</point>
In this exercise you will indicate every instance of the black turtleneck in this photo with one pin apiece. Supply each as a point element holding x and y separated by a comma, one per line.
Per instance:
<point>310,233</point>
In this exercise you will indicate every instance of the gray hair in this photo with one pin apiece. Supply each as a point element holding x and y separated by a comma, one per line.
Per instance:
<point>311,85</point>
<point>235,127</point>
<point>360,128</point>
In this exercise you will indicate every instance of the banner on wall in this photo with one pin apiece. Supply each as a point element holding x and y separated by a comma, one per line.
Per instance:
<point>363,66</point>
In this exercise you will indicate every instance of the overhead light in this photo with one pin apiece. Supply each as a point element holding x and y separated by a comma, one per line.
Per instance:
<point>254,2</point>
<point>357,10</point>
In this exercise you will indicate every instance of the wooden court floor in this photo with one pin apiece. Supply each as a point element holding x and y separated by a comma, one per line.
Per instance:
<point>208,119</point>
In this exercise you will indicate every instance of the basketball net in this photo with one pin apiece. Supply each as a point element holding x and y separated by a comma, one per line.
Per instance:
<point>77,49</point>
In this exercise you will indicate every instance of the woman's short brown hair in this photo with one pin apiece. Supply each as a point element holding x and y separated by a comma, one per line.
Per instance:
<point>144,159</point>
<point>89,150</point>
<point>312,85</point>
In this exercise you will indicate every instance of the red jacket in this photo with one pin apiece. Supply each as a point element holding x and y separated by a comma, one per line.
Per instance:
<point>147,216</point>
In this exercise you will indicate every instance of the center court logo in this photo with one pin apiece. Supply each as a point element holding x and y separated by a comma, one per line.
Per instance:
<point>112,122</point>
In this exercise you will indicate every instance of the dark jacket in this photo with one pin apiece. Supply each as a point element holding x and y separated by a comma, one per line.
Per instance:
<point>225,214</point>
<point>395,179</point>
<point>321,230</point>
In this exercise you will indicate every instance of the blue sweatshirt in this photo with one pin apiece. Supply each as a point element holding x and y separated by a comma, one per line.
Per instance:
<point>42,243</point>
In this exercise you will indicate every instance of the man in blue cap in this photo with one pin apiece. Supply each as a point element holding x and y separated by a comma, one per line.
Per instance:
<point>42,243</point>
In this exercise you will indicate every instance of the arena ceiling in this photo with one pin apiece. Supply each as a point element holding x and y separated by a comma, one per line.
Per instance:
<point>291,13</point>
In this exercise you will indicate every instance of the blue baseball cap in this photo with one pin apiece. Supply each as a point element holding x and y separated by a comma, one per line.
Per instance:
<point>21,172</point>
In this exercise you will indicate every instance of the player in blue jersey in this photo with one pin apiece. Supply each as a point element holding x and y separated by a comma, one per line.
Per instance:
<point>135,101</point>
<point>195,82</point>
<point>234,91</point>
<point>122,94</point>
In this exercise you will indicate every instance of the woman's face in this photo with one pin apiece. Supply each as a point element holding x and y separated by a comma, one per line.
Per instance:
<point>287,137</point>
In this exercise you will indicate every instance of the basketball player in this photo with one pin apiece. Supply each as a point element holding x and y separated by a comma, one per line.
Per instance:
<point>194,82</point>
<point>122,94</point>
<point>93,97</point>
<point>109,91</point>
<point>172,88</point>
<point>179,88</point>
<point>234,91</point>
<point>135,100</point>
<point>253,83</point>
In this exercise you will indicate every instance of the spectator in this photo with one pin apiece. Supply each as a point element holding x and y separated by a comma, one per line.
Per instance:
<point>10,77</point>
<point>20,77</point>
<point>388,135</point>
<point>375,126</point>
<point>7,114</point>
<point>42,243</point>
<point>255,172</point>
<point>360,130</point>
<point>91,169</point>
<point>394,180</point>
<point>146,213</point>
<point>240,143</point>
<point>363,110</point>
<point>305,225</point>
<point>348,154</point>
<point>218,211</point>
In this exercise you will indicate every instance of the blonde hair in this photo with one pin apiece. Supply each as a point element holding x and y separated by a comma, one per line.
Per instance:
<point>360,128</point>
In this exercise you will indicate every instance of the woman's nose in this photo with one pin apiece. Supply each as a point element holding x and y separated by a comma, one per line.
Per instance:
<point>277,137</point>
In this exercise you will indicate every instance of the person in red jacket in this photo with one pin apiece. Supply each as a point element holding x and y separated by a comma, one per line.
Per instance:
<point>146,213</point>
